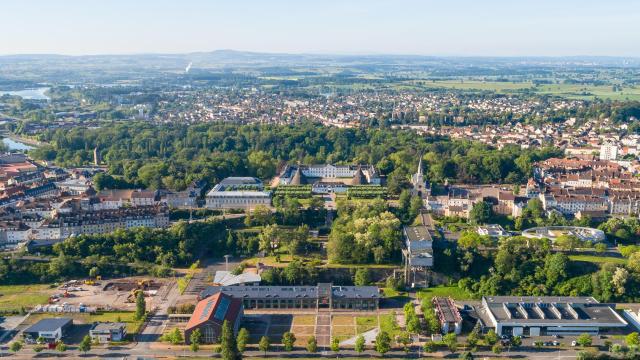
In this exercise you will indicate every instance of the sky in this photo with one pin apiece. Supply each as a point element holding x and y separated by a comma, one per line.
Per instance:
<point>420,27</point>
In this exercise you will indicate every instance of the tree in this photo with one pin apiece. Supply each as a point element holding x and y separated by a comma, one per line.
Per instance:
<point>264,345</point>
<point>335,345</point>
<point>404,339</point>
<point>429,347</point>
<point>584,340</point>
<point>451,341</point>
<point>15,346</point>
<point>383,342</point>
<point>497,349</point>
<point>195,339</point>
<point>619,280</point>
<point>140,305</point>
<point>312,345</point>
<point>516,341</point>
<point>360,344</point>
<point>600,248</point>
<point>85,344</point>
<point>538,344</point>
<point>467,355</point>
<point>243,339</point>
<point>473,338</point>
<point>362,277</point>
<point>632,339</point>
<point>481,213</point>
<point>228,343</point>
<point>288,340</point>
<point>491,337</point>
<point>633,263</point>
<point>61,347</point>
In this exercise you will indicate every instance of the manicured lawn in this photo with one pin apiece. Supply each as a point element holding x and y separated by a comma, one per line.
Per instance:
<point>366,323</point>
<point>13,297</point>
<point>447,291</point>
<point>598,259</point>
<point>388,323</point>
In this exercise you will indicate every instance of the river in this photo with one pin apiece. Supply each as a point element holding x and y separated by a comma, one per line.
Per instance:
<point>14,145</point>
<point>29,94</point>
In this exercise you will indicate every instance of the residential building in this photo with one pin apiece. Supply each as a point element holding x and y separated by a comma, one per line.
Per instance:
<point>448,315</point>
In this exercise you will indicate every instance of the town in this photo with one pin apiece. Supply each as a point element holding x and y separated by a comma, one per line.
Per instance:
<point>320,179</point>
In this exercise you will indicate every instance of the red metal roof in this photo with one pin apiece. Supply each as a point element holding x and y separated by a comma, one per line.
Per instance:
<point>216,309</point>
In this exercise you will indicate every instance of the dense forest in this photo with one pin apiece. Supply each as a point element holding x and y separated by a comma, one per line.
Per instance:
<point>172,156</point>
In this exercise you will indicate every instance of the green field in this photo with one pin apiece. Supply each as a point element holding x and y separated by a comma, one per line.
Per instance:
<point>447,291</point>
<point>388,324</point>
<point>598,259</point>
<point>571,91</point>
<point>13,297</point>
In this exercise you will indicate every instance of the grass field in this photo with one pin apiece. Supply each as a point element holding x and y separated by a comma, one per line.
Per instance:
<point>388,323</point>
<point>572,91</point>
<point>448,291</point>
<point>13,297</point>
<point>366,323</point>
<point>598,259</point>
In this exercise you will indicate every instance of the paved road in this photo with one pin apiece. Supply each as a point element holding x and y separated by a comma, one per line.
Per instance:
<point>158,318</point>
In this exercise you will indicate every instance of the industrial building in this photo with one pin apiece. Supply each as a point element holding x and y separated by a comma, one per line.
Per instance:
<point>325,295</point>
<point>547,315</point>
<point>417,255</point>
<point>51,330</point>
<point>211,313</point>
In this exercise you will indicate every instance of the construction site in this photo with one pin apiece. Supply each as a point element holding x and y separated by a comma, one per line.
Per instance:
<point>117,294</point>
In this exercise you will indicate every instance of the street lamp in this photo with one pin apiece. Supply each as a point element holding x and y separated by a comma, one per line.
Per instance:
<point>226,262</point>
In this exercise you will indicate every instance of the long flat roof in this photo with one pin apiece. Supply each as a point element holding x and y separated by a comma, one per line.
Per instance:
<point>291,292</point>
<point>554,310</point>
<point>417,233</point>
<point>50,324</point>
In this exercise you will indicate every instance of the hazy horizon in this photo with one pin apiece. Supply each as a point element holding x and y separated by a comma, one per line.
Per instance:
<point>462,28</point>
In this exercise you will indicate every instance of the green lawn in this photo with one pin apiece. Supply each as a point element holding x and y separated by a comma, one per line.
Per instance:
<point>447,291</point>
<point>366,323</point>
<point>13,297</point>
<point>598,259</point>
<point>388,324</point>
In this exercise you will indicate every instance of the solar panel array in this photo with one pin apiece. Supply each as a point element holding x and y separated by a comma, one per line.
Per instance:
<point>207,309</point>
<point>222,308</point>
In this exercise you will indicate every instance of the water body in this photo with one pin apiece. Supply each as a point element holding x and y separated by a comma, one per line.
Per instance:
<point>16,145</point>
<point>29,94</point>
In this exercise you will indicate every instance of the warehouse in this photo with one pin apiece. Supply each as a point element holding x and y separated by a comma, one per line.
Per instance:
<point>325,295</point>
<point>548,315</point>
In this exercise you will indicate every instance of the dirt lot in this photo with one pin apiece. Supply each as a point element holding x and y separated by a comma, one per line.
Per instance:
<point>113,295</point>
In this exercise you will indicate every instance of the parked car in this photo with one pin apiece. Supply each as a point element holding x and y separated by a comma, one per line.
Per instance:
<point>574,343</point>
<point>556,336</point>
